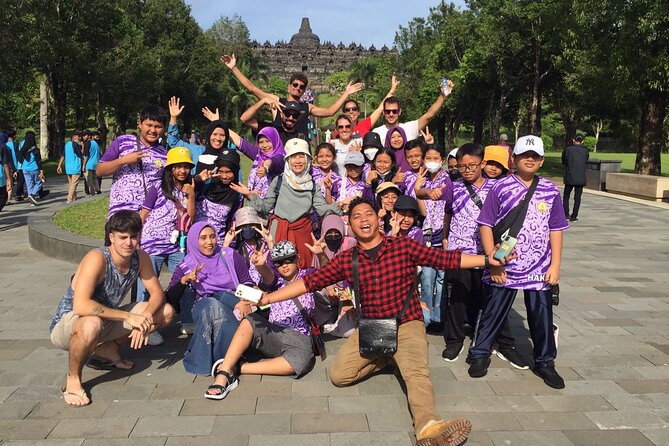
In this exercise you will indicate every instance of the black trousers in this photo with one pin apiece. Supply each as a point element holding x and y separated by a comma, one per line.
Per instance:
<point>19,189</point>
<point>578,191</point>
<point>464,292</point>
<point>3,196</point>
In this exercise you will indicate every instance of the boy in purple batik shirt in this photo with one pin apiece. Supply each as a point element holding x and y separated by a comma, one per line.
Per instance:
<point>536,268</point>
<point>136,167</point>
<point>353,186</point>
<point>464,289</point>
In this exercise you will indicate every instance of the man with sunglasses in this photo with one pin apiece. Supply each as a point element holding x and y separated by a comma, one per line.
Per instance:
<point>392,112</point>
<point>297,85</point>
<point>289,116</point>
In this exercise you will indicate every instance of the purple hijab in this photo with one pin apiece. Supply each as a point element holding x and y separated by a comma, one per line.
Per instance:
<point>212,277</point>
<point>400,158</point>
<point>273,136</point>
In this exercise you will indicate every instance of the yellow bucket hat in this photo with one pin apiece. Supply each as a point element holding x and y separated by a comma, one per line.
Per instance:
<point>179,155</point>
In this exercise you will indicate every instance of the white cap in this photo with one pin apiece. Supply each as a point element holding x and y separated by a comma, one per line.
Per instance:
<point>452,153</point>
<point>529,143</point>
<point>296,145</point>
<point>503,137</point>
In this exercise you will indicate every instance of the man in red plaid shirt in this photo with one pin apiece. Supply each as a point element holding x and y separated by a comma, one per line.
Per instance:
<point>387,269</point>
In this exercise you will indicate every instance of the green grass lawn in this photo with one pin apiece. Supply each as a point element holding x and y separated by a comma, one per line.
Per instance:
<point>87,218</point>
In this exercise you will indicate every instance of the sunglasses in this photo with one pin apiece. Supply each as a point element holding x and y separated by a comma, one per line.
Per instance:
<point>350,109</point>
<point>391,112</point>
<point>285,261</point>
<point>347,126</point>
<point>292,115</point>
<point>298,86</point>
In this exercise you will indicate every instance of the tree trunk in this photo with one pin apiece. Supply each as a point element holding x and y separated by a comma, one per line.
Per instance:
<point>454,127</point>
<point>59,98</point>
<point>102,122</point>
<point>440,126</point>
<point>598,130</point>
<point>535,105</point>
<point>43,118</point>
<point>653,113</point>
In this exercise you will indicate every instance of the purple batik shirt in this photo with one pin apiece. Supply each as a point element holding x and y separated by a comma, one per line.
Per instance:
<point>435,208</point>
<point>318,176</point>
<point>127,190</point>
<point>161,222</point>
<point>464,232</point>
<point>255,182</point>
<point>359,189</point>
<point>415,233</point>
<point>286,313</point>
<point>544,214</point>
<point>409,182</point>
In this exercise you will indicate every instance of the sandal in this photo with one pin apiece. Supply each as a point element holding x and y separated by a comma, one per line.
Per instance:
<point>231,385</point>
<point>84,397</point>
<point>107,364</point>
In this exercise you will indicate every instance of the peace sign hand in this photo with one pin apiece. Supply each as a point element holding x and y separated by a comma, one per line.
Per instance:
<point>266,235</point>
<point>429,139</point>
<point>395,222</point>
<point>318,247</point>
<point>192,277</point>
<point>230,235</point>
<point>259,256</point>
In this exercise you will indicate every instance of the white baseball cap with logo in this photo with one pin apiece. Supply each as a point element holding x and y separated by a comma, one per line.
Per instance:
<point>529,143</point>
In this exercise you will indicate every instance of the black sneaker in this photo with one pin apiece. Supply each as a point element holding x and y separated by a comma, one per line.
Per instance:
<point>452,352</point>
<point>550,376</point>
<point>33,200</point>
<point>513,357</point>
<point>479,367</point>
<point>573,218</point>
<point>44,193</point>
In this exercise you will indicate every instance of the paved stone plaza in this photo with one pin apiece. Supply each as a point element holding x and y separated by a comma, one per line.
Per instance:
<point>613,354</point>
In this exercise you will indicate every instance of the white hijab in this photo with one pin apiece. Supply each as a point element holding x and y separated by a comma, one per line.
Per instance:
<point>302,181</point>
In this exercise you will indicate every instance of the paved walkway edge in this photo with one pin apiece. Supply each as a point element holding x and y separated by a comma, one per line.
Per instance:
<point>47,238</point>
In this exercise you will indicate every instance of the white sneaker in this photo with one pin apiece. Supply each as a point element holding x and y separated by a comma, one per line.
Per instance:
<point>187,329</point>
<point>155,338</point>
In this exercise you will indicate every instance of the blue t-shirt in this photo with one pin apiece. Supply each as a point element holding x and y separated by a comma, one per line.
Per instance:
<point>72,161</point>
<point>93,155</point>
<point>13,149</point>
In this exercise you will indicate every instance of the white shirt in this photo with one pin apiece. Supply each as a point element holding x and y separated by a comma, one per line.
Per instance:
<point>410,128</point>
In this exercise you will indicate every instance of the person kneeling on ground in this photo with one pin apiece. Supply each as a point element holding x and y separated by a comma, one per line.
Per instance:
<point>394,259</point>
<point>90,320</point>
<point>284,339</point>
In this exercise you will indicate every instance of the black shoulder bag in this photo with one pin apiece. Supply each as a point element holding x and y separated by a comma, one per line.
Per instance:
<point>511,224</point>
<point>140,164</point>
<point>377,337</point>
<point>475,197</point>
<point>317,343</point>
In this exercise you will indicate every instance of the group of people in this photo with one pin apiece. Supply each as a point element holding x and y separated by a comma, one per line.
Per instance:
<point>368,226</point>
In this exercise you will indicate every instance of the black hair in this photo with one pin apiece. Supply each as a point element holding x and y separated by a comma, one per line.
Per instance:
<point>471,149</point>
<point>391,100</point>
<point>96,133</point>
<point>154,113</point>
<point>413,143</point>
<point>386,218</point>
<point>362,200</point>
<point>393,167</point>
<point>240,247</point>
<point>298,76</point>
<point>326,145</point>
<point>167,183</point>
<point>125,221</point>
<point>28,143</point>
<point>350,100</point>
<point>437,148</point>
<point>213,125</point>
<point>11,133</point>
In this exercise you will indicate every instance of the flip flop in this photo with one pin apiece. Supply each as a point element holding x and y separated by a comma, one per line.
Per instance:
<point>81,395</point>
<point>106,364</point>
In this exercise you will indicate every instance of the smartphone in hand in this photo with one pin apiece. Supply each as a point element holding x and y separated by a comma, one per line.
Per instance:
<point>505,248</point>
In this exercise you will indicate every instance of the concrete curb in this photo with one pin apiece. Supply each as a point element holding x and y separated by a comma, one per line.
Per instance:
<point>47,238</point>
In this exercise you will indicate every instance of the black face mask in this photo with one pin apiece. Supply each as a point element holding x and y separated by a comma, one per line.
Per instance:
<point>454,174</point>
<point>334,243</point>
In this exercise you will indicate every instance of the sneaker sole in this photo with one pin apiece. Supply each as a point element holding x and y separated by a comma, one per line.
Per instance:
<point>33,201</point>
<point>456,358</point>
<point>454,435</point>
<point>513,364</point>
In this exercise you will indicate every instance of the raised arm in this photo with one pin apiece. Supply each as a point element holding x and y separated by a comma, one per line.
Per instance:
<point>248,117</point>
<point>321,112</point>
<point>230,61</point>
<point>431,112</point>
<point>376,114</point>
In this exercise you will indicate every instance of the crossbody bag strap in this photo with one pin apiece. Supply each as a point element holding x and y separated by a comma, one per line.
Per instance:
<point>303,312</point>
<point>475,197</point>
<point>406,301</point>
<point>140,164</point>
<point>517,224</point>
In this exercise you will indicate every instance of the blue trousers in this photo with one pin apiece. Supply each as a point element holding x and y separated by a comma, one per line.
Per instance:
<point>33,183</point>
<point>496,306</point>
<point>172,260</point>
<point>431,284</point>
<point>215,325</point>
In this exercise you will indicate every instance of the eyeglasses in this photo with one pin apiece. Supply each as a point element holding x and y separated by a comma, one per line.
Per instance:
<point>391,112</point>
<point>471,167</point>
<point>292,115</point>
<point>285,261</point>
<point>299,86</point>
<point>350,109</point>
<point>347,126</point>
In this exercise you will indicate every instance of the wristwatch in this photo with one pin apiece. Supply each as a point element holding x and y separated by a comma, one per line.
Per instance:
<point>486,261</point>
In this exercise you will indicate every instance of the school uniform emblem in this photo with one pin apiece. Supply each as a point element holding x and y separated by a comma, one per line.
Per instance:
<point>542,206</point>
<point>158,163</point>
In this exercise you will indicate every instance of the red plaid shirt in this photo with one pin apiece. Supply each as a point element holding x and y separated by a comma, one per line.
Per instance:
<point>385,282</point>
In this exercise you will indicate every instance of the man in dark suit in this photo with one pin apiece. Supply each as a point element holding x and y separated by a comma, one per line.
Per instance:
<point>574,158</point>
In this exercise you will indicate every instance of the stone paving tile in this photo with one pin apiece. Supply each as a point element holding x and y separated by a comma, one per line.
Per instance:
<point>5,392</point>
<point>659,437</point>
<point>60,410</point>
<point>463,389</point>
<point>251,424</point>
<point>573,403</point>
<point>608,438</point>
<point>390,422</point>
<point>532,386</point>
<point>162,408</point>
<point>552,421</point>
<point>642,403</point>
<point>26,429</point>
<point>627,420</point>
<point>93,428</point>
<point>308,388</point>
<point>150,426</point>
<point>645,386</point>
<point>16,410</point>
<point>290,440</point>
<point>504,404</point>
<point>156,441</point>
<point>534,438</point>
<point>368,403</point>
<point>231,405</point>
<point>69,442</point>
<point>592,388</point>
<point>304,423</point>
<point>313,404</point>
<point>371,439</point>
<point>222,440</point>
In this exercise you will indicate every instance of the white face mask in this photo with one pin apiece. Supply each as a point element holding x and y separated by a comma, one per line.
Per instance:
<point>370,153</point>
<point>433,166</point>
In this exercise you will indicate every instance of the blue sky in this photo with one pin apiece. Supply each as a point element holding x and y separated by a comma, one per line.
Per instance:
<point>362,21</point>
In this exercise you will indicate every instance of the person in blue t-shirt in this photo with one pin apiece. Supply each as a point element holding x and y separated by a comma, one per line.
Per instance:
<point>73,158</point>
<point>91,155</point>
<point>32,167</point>
<point>5,172</point>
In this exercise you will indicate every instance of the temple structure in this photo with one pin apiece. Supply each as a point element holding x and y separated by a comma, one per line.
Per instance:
<point>305,52</point>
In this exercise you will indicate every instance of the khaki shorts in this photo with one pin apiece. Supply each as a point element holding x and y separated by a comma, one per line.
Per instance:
<point>62,331</point>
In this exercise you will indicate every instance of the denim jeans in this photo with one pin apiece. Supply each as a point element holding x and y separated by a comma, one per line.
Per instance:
<point>157,261</point>
<point>431,285</point>
<point>33,183</point>
<point>215,325</point>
